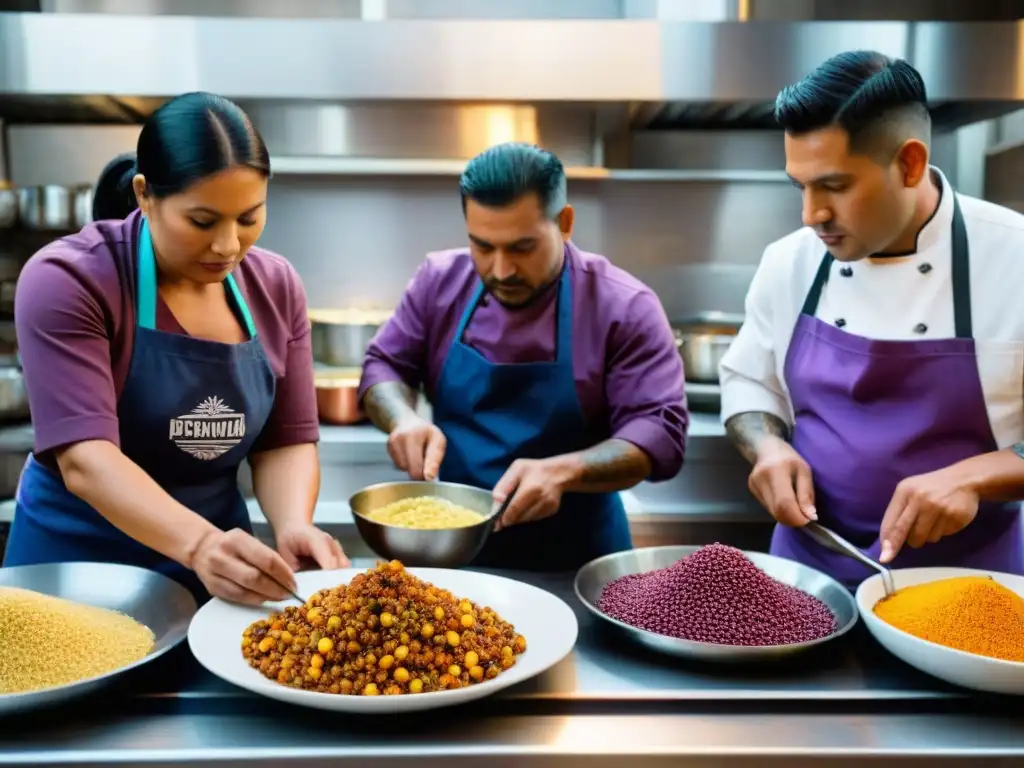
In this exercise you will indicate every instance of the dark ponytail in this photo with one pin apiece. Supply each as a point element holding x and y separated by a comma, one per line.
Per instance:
<point>189,138</point>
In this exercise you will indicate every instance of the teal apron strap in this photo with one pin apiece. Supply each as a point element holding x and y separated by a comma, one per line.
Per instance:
<point>250,326</point>
<point>147,287</point>
<point>146,303</point>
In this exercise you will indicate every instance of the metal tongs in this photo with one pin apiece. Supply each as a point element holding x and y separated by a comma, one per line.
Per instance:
<point>833,541</point>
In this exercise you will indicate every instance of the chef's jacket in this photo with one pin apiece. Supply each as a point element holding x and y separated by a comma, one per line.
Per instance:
<point>893,298</point>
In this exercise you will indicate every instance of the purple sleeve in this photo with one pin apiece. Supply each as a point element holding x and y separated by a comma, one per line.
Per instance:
<point>64,344</point>
<point>398,352</point>
<point>294,419</point>
<point>644,385</point>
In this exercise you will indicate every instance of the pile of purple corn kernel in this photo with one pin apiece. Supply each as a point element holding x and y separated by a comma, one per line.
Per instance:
<point>717,595</point>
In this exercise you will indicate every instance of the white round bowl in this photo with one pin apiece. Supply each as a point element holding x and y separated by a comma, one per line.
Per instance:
<point>980,673</point>
<point>547,623</point>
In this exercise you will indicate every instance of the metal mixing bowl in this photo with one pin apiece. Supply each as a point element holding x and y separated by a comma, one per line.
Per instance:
<point>150,598</point>
<point>595,575</point>
<point>440,548</point>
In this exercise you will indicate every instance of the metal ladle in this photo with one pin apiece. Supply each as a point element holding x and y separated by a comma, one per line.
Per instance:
<point>833,541</point>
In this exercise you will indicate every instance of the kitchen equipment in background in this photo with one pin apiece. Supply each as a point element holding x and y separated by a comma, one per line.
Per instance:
<point>340,336</point>
<point>705,398</point>
<point>13,395</point>
<point>8,288</point>
<point>702,341</point>
<point>47,207</point>
<point>8,344</point>
<point>82,206</point>
<point>336,390</point>
<point>8,196</point>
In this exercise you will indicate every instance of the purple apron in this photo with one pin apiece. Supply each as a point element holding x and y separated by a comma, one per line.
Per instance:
<point>869,414</point>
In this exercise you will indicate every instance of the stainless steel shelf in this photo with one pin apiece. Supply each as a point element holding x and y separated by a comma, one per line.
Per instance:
<point>382,166</point>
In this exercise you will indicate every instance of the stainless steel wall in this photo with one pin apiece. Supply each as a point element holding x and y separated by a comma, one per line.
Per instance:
<point>358,240</point>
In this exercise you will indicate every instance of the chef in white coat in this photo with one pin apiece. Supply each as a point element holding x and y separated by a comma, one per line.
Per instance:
<point>877,384</point>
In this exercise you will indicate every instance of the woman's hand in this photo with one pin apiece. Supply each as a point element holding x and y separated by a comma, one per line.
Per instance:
<point>304,541</point>
<point>236,566</point>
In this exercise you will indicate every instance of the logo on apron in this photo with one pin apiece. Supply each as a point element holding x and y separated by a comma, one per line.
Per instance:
<point>210,431</point>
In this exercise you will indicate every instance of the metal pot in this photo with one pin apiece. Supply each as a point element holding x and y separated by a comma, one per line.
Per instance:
<point>8,196</point>
<point>340,336</point>
<point>46,207</point>
<point>336,396</point>
<point>702,342</point>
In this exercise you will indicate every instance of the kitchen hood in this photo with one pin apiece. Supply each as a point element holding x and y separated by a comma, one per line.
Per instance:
<point>652,74</point>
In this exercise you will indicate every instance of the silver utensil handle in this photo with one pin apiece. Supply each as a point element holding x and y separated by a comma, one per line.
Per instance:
<point>839,545</point>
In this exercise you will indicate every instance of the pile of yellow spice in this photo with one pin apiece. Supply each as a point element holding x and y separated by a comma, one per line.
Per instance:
<point>47,641</point>
<point>975,614</point>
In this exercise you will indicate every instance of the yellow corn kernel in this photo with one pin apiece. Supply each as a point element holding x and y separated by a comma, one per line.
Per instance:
<point>452,638</point>
<point>401,675</point>
<point>326,645</point>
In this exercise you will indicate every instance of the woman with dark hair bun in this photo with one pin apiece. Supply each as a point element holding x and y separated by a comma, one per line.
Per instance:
<point>160,349</point>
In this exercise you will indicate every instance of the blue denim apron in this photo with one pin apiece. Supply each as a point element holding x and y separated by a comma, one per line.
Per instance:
<point>188,415</point>
<point>493,414</point>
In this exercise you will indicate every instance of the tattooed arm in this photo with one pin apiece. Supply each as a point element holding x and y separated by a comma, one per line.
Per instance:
<point>537,485</point>
<point>388,403</point>
<point>612,465</point>
<point>749,431</point>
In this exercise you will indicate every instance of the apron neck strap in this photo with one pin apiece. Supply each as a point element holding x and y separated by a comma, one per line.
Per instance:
<point>563,314</point>
<point>147,287</point>
<point>961,277</point>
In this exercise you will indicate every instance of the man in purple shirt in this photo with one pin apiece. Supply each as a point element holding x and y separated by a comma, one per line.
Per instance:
<point>553,375</point>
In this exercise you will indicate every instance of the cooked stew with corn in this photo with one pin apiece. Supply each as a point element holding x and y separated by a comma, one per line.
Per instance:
<point>385,633</point>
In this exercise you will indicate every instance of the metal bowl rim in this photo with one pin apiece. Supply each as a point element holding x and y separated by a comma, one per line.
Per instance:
<point>151,656</point>
<point>738,649</point>
<point>377,486</point>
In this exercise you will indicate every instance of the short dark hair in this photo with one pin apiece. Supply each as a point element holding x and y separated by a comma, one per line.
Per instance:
<point>878,101</point>
<point>185,140</point>
<point>504,173</point>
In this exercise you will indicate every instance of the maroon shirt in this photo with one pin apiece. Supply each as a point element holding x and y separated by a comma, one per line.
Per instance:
<point>629,376</point>
<point>75,319</point>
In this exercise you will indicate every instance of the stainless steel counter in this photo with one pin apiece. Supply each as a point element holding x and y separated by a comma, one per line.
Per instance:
<point>608,702</point>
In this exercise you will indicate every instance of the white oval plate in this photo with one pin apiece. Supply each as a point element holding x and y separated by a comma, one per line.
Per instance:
<point>969,670</point>
<point>547,623</point>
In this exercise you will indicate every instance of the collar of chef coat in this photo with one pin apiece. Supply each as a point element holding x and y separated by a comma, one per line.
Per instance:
<point>938,229</point>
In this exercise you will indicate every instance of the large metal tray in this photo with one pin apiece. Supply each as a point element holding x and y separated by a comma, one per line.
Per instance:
<point>150,598</point>
<point>595,575</point>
